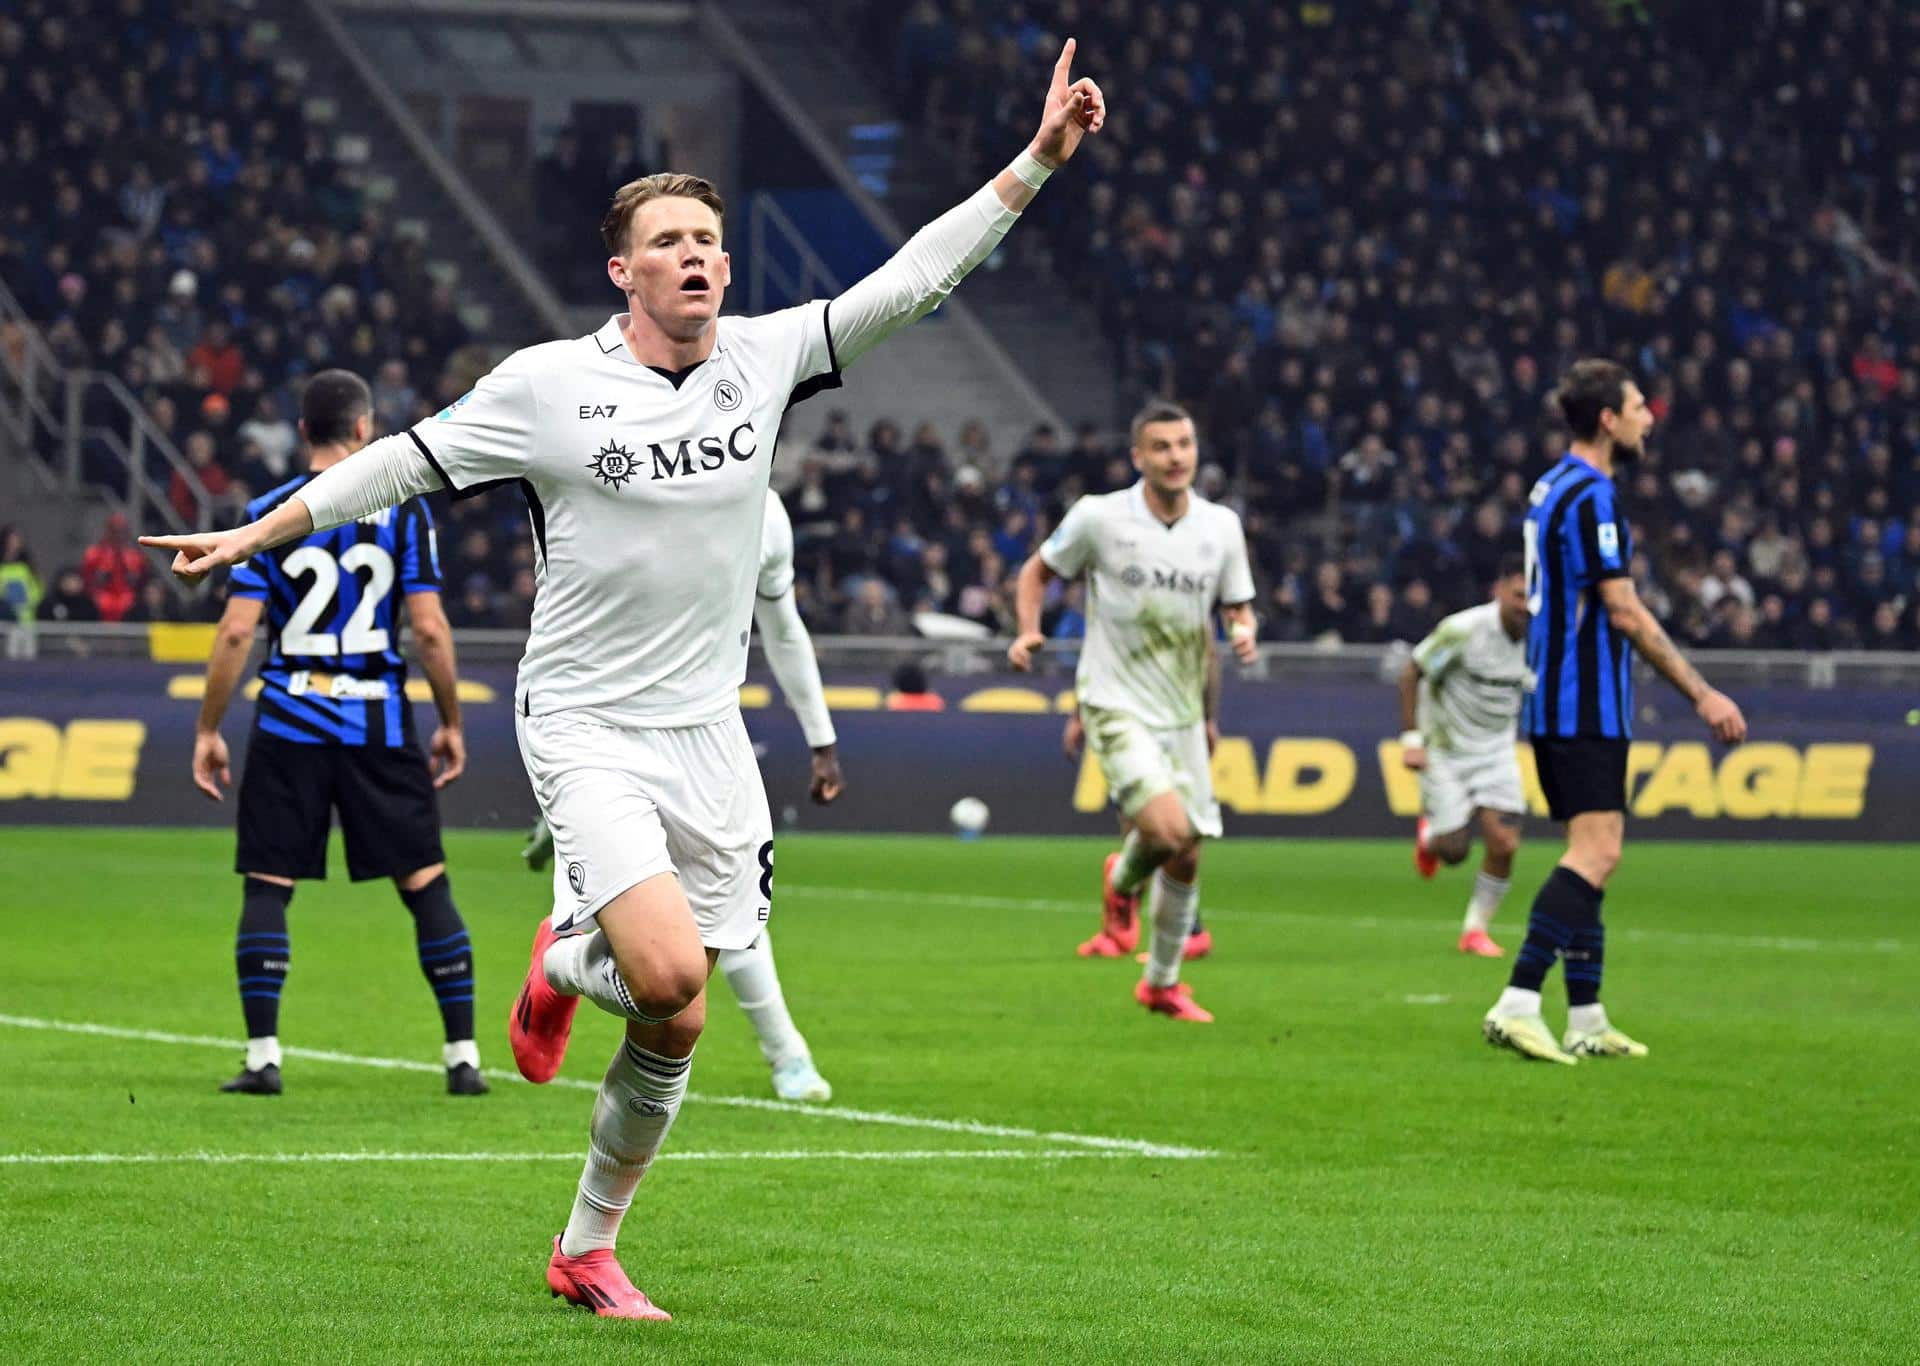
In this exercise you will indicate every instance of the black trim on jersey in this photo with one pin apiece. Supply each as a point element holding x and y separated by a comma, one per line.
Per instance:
<point>807,388</point>
<point>606,350</point>
<point>431,460</point>
<point>676,377</point>
<point>826,323</point>
<point>538,513</point>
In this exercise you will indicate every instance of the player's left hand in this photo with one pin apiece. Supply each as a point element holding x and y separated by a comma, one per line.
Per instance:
<point>827,783</point>
<point>1213,737</point>
<point>1074,738</point>
<point>1072,111</point>
<point>1245,643</point>
<point>199,553</point>
<point>211,773</point>
<point>447,755</point>
<point>1723,717</point>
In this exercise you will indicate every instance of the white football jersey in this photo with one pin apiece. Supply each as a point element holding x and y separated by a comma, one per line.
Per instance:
<point>648,494</point>
<point>1474,678</point>
<point>1151,592</point>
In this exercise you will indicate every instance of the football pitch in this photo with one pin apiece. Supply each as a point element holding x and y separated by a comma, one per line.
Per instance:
<point>1020,1164</point>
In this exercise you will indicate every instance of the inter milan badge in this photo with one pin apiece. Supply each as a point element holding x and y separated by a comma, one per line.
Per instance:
<point>726,395</point>
<point>613,463</point>
<point>576,878</point>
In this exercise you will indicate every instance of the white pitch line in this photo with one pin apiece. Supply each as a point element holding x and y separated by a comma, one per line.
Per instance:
<point>1685,938</point>
<point>1095,1142</point>
<point>749,1155</point>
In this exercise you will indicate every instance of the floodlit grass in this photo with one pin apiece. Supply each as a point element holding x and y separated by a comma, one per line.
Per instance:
<point>1383,1186</point>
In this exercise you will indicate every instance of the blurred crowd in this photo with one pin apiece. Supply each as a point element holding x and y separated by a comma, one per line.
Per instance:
<point>1360,240</point>
<point>173,218</point>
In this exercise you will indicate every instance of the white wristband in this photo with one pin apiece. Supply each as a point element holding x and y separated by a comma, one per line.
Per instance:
<point>1029,170</point>
<point>1412,739</point>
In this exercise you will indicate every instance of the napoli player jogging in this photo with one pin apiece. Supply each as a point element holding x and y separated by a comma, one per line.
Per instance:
<point>644,451</point>
<point>1585,615</point>
<point>751,971</point>
<point>333,731</point>
<point>1157,559</point>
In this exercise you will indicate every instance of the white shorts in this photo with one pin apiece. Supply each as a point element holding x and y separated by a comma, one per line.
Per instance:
<point>626,804</point>
<point>1454,786</point>
<point>1140,763</point>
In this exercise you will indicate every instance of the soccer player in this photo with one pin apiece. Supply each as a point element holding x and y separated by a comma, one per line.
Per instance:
<point>1459,697</point>
<point>789,649</point>
<point>644,451</point>
<point>1157,558</point>
<point>333,731</point>
<point>1579,715</point>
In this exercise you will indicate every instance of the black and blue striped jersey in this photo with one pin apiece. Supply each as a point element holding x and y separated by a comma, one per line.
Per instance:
<point>1575,540</point>
<point>334,674</point>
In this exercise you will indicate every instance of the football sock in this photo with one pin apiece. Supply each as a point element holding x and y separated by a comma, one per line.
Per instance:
<point>1171,906</point>
<point>1196,926</point>
<point>1566,903</point>
<point>1589,1019</point>
<point>261,955</point>
<point>446,954</point>
<point>1586,955</point>
<point>1135,866</point>
<point>582,965</point>
<point>1516,1003</point>
<point>1488,892</point>
<point>638,1100</point>
<point>458,1051</point>
<point>756,985</point>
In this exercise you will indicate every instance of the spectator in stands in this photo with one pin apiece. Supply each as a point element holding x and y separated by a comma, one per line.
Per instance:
<point>112,570</point>
<point>69,601</point>
<point>19,586</point>
<point>911,693</point>
<point>155,603</point>
<point>207,473</point>
<point>272,440</point>
<point>873,612</point>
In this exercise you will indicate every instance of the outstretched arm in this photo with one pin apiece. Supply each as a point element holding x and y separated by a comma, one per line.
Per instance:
<point>1631,619</point>
<point>1029,594</point>
<point>939,256</point>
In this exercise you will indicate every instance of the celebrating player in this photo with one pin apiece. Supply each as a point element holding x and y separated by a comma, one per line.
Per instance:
<point>1580,713</point>
<point>789,649</point>
<point>644,451</point>
<point>1459,696</point>
<point>333,730</point>
<point>1157,558</point>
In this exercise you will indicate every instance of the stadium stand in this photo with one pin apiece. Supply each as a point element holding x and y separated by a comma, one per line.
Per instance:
<point>1360,241</point>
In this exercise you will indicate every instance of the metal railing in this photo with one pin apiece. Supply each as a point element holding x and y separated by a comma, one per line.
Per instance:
<point>55,414</point>
<point>1733,669</point>
<point>809,278</point>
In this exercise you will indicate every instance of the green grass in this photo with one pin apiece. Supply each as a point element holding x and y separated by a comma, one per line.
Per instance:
<point>1387,1188</point>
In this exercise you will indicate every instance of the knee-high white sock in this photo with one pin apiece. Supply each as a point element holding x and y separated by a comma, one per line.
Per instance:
<point>1171,904</point>
<point>638,1100</point>
<point>1136,864</point>
<point>756,985</point>
<point>1488,892</point>
<point>582,965</point>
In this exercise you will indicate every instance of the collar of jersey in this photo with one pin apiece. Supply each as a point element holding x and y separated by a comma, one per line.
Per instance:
<point>612,342</point>
<point>1137,495</point>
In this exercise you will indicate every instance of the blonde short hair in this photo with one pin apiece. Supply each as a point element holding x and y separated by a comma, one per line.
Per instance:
<point>666,185</point>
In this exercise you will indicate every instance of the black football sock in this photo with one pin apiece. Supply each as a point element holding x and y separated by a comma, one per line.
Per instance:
<point>1585,956</point>
<point>1567,903</point>
<point>446,955</point>
<point>261,954</point>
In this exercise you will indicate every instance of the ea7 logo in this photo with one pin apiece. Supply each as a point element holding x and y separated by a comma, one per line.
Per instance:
<point>593,410</point>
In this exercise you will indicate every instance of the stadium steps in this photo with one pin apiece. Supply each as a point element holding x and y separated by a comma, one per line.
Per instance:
<point>399,182</point>
<point>1041,327</point>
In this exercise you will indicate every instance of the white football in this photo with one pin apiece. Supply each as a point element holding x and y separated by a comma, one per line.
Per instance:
<point>969,816</point>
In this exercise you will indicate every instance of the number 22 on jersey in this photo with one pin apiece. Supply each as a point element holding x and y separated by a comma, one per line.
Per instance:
<point>360,635</point>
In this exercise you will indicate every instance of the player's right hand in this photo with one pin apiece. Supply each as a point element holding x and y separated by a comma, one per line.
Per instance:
<point>1020,653</point>
<point>199,553</point>
<point>210,771</point>
<point>1414,757</point>
<point>1723,717</point>
<point>1074,738</point>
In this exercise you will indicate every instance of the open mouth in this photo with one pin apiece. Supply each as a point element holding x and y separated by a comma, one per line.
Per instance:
<point>694,284</point>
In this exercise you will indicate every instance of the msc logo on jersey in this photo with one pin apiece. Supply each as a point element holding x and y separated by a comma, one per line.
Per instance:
<point>703,454</point>
<point>726,395</point>
<point>1133,576</point>
<point>1169,580</point>
<point>612,465</point>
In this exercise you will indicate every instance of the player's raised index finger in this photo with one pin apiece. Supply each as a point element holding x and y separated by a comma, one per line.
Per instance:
<point>169,542</point>
<point>1065,64</point>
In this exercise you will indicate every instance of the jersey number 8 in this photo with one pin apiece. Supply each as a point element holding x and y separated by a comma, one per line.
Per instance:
<point>361,636</point>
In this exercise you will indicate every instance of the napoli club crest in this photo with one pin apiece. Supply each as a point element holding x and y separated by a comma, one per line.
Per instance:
<point>726,395</point>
